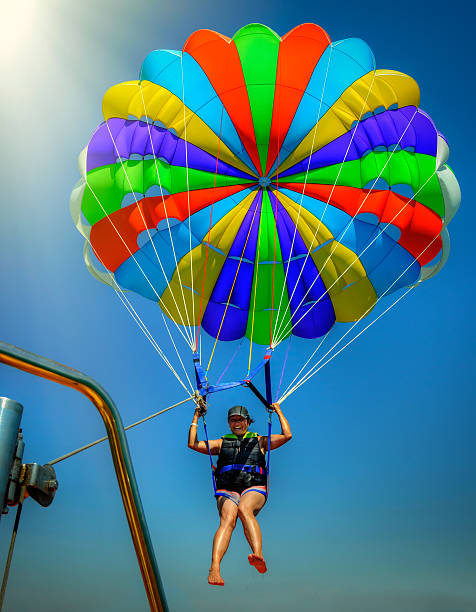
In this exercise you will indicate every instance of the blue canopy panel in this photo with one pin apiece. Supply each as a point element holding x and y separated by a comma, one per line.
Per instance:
<point>387,264</point>
<point>156,256</point>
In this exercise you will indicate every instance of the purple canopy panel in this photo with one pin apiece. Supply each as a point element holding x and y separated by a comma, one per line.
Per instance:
<point>405,126</point>
<point>377,132</point>
<point>122,144</point>
<point>101,148</point>
<point>167,148</point>
<point>123,138</point>
<point>426,134</point>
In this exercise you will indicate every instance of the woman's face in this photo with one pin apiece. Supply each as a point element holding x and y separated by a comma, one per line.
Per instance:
<point>238,425</point>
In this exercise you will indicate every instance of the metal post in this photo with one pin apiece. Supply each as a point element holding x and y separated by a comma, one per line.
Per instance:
<point>10,417</point>
<point>56,372</point>
<point>12,546</point>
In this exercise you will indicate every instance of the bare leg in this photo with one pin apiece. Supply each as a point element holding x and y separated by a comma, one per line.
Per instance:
<point>250,504</point>
<point>228,512</point>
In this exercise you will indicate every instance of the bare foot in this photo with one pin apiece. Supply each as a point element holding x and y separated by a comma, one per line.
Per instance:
<point>214,577</point>
<point>258,562</point>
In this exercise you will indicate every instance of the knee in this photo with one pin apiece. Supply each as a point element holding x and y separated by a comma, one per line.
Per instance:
<point>244,513</point>
<point>228,522</point>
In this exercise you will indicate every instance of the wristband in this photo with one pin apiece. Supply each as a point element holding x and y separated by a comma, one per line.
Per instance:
<point>191,424</point>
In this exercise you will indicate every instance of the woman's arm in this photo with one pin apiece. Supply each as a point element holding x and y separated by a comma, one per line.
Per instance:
<point>200,445</point>
<point>278,440</point>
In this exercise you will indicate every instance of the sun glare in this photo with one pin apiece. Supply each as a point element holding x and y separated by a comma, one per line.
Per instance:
<point>17,27</point>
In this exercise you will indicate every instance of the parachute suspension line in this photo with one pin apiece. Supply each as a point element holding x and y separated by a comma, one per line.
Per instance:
<point>148,335</point>
<point>126,303</point>
<point>232,287</point>
<point>188,192</point>
<point>275,235</point>
<point>166,216</point>
<point>310,358</point>
<point>281,334</point>
<point>208,237</point>
<point>282,369</point>
<point>189,334</point>
<point>371,243</point>
<point>254,300</point>
<point>316,369</point>
<point>268,454</point>
<point>293,325</point>
<point>6,571</point>
<point>368,310</point>
<point>302,196</point>
<point>349,223</point>
<point>313,369</point>
<point>187,340</point>
<point>274,255</point>
<point>177,351</point>
<point>120,236</point>
<point>230,362</point>
<point>91,444</point>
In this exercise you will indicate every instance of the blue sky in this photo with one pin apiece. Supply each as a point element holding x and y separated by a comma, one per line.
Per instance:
<point>373,502</point>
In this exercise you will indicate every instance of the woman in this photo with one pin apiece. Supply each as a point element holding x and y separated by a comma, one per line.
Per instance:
<point>241,481</point>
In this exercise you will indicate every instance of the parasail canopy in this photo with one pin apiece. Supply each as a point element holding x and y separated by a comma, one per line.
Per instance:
<point>262,186</point>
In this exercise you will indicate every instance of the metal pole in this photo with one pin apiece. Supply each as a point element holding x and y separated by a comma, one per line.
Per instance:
<point>12,546</point>
<point>10,417</point>
<point>56,372</point>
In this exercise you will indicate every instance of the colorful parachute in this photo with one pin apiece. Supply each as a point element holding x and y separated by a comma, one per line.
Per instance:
<point>261,186</point>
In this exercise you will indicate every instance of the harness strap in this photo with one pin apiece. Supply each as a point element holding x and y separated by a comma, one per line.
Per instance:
<point>269,399</point>
<point>210,455</point>
<point>242,468</point>
<point>267,403</point>
<point>263,400</point>
<point>269,454</point>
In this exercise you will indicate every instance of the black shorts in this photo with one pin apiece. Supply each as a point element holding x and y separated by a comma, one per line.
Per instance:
<point>236,496</point>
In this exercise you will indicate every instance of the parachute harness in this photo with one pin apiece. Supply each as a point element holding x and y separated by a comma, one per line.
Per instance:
<point>204,389</point>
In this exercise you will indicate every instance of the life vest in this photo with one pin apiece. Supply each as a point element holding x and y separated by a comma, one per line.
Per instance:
<point>241,464</point>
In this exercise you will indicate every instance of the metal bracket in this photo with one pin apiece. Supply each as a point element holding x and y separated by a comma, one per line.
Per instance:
<point>14,486</point>
<point>40,482</point>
